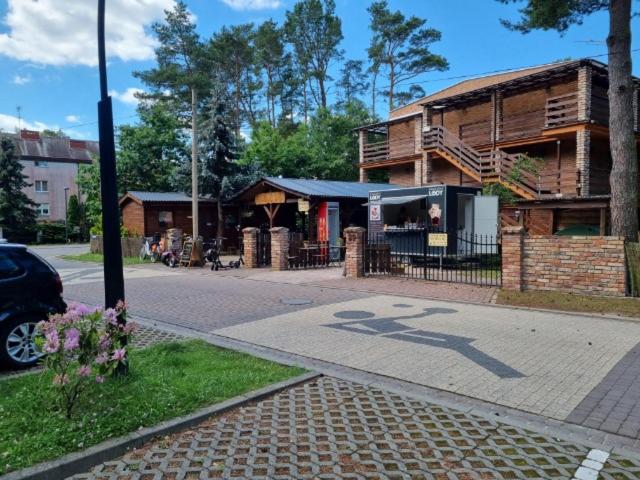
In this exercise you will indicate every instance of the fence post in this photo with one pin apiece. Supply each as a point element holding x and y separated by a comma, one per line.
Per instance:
<point>354,257</point>
<point>512,257</point>
<point>250,242</point>
<point>279,248</point>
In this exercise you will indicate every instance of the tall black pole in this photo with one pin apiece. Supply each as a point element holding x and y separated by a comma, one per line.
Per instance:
<point>113,276</point>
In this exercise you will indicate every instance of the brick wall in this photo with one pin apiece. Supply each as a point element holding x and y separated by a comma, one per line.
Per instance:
<point>354,256</point>
<point>583,265</point>
<point>402,175</point>
<point>279,248</point>
<point>250,242</point>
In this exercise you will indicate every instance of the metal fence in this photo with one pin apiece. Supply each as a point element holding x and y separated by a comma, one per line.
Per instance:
<point>263,246</point>
<point>453,256</point>
<point>304,254</point>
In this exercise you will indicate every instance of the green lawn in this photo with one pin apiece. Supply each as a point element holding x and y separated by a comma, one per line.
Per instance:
<point>97,258</point>
<point>628,307</point>
<point>166,381</point>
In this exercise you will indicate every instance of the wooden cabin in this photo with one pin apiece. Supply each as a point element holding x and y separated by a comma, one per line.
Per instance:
<point>490,130</point>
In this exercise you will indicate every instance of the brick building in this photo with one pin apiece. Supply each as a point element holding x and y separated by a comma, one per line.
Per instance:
<point>51,166</point>
<point>480,131</point>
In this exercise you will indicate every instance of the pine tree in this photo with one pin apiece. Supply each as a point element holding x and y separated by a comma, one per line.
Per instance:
<point>217,147</point>
<point>17,215</point>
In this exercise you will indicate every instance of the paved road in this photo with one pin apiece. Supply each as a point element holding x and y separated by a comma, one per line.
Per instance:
<point>572,368</point>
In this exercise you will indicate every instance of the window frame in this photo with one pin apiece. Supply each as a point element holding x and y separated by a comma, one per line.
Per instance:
<point>38,208</point>
<point>41,163</point>
<point>44,183</point>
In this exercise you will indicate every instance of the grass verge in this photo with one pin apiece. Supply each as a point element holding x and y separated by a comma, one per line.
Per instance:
<point>166,381</point>
<point>98,258</point>
<point>628,307</point>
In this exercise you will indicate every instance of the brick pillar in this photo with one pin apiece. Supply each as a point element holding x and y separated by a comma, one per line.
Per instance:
<point>583,148</point>
<point>584,94</point>
<point>364,177</point>
<point>354,257</point>
<point>250,243</point>
<point>496,115</point>
<point>512,256</point>
<point>417,135</point>
<point>279,248</point>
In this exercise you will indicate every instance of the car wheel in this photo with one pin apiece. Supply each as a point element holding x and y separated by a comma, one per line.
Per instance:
<point>17,342</point>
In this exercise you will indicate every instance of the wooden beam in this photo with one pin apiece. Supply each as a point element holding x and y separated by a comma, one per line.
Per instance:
<point>603,221</point>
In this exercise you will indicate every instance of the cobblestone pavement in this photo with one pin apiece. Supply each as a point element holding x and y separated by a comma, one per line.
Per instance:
<point>209,302</point>
<point>331,428</point>
<point>522,359</point>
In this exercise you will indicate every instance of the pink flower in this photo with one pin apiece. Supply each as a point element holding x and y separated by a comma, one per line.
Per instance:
<point>99,379</point>
<point>104,343</point>
<point>72,339</point>
<point>111,316</point>
<point>102,358</point>
<point>79,308</point>
<point>119,354</point>
<point>60,380</point>
<point>122,305</point>
<point>52,343</point>
<point>84,371</point>
<point>130,327</point>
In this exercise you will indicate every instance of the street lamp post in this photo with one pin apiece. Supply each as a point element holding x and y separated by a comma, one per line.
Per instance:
<point>66,215</point>
<point>113,276</point>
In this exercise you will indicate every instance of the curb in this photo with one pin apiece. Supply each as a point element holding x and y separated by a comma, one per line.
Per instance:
<point>80,462</point>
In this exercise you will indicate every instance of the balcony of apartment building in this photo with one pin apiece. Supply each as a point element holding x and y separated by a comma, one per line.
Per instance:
<point>393,142</point>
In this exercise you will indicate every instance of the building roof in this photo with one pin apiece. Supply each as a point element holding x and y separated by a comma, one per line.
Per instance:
<point>159,197</point>
<point>321,188</point>
<point>32,146</point>
<point>487,81</point>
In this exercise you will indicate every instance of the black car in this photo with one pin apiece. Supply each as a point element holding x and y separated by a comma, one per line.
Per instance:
<point>30,290</point>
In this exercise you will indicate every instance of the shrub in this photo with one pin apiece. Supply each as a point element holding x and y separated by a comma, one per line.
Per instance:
<point>82,346</point>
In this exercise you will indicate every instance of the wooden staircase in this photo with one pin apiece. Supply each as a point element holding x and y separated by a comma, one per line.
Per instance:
<point>496,166</point>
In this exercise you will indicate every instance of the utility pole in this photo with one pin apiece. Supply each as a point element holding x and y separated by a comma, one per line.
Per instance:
<point>66,215</point>
<point>113,276</point>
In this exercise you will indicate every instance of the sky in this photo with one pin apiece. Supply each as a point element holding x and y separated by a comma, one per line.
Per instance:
<point>48,53</point>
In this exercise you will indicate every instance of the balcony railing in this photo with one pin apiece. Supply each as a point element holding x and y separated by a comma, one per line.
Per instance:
<point>388,149</point>
<point>561,110</point>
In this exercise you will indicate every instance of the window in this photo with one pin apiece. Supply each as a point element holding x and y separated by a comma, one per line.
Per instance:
<point>42,186</point>
<point>165,219</point>
<point>8,267</point>
<point>43,209</point>
<point>41,163</point>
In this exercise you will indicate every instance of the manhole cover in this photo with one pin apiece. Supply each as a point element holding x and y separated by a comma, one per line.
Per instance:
<point>296,301</point>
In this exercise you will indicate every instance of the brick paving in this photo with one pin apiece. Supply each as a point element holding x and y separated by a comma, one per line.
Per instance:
<point>331,428</point>
<point>207,302</point>
<point>613,404</point>
<point>415,288</point>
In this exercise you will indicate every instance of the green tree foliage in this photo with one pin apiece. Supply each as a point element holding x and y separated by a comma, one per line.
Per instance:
<point>315,32</point>
<point>271,59</point>
<point>48,133</point>
<point>326,148</point>
<point>150,152</point>
<point>400,46</point>
<point>560,15</point>
<point>217,145</point>
<point>233,53</point>
<point>17,215</point>
<point>353,81</point>
<point>89,184</point>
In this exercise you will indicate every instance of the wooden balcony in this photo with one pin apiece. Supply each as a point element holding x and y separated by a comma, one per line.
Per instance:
<point>389,150</point>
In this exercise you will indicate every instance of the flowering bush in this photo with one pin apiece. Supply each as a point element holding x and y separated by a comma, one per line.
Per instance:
<point>82,346</point>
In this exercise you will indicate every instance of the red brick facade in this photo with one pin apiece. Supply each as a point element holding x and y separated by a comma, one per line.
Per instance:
<point>279,248</point>
<point>584,265</point>
<point>354,257</point>
<point>250,239</point>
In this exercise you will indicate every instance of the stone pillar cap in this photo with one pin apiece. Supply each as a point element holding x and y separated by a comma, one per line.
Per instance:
<point>279,229</point>
<point>354,230</point>
<point>513,230</point>
<point>249,230</point>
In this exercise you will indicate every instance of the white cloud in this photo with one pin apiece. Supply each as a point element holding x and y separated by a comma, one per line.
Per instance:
<point>20,80</point>
<point>9,123</point>
<point>252,4</point>
<point>128,96</point>
<point>72,118</point>
<point>41,31</point>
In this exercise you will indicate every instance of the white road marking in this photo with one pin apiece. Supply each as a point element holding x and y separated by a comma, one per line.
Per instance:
<point>591,465</point>
<point>78,276</point>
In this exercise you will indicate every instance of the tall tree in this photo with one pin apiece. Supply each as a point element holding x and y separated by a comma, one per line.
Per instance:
<point>182,70</point>
<point>555,15</point>
<point>150,152</point>
<point>17,215</point>
<point>218,155</point>
<point>315,32</point>
<point>270,56</point>
<point>401,45</point>
<point>353,80</point>
<point>234,57</point>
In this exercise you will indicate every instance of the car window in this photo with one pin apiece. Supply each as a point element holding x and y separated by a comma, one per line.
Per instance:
<point>33,262</point>
<point>8,266</point>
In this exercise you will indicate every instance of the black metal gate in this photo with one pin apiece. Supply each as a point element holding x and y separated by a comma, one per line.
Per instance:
<point>454,256</point>
<point>263,246</point>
